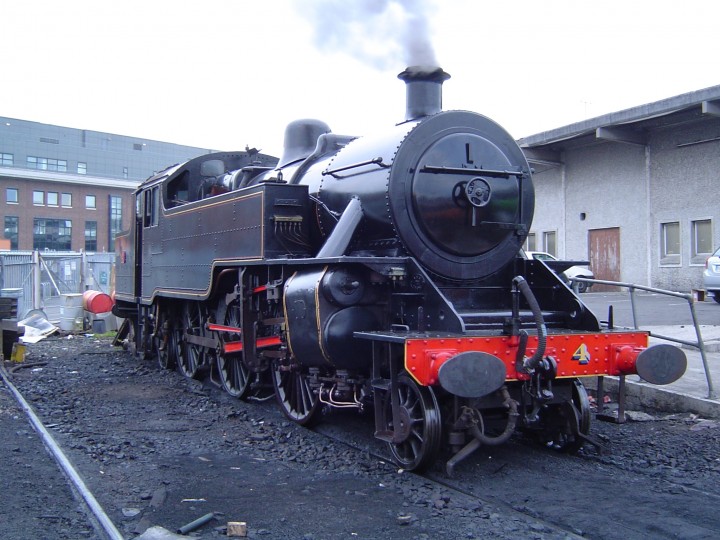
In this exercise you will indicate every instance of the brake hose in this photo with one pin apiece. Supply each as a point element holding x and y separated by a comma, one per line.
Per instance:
<point>522,285</point>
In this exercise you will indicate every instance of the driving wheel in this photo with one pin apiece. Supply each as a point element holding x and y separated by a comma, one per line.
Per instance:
<point>189,355</point>
<point>234,374</point>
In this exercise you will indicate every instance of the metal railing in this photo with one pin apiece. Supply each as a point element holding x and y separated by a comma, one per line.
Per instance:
<point>699,344</point>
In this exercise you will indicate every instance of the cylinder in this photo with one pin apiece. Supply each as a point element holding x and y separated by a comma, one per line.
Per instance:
<point>70,311</point>
<point>423,90</point>
<point>97,302</point>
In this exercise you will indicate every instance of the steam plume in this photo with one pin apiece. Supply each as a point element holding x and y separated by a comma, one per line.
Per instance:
<point>383,33</point>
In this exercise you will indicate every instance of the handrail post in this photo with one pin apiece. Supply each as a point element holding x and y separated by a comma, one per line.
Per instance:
<point>36,271</point>
<point>621,419</point>
<point>701,346</point>
<point>631,289</point>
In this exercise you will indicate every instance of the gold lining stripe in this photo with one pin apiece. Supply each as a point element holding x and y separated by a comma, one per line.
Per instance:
<point>317,315</point>
<point>287,324</point>
<point>171,212</point>
<point>405,365</point>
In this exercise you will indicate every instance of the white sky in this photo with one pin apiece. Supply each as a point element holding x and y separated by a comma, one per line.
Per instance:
<point>223,74</point>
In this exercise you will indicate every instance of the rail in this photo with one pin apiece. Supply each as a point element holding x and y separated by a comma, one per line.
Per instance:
<point>699,344</point>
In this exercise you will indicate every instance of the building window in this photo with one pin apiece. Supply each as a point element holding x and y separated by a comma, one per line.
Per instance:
<point>115,221</point>
<point>530,242</point>
<point>11,195</point>
<point>38,198</point>
<point>90,202</point>
<point>11,230</point>
<point>670,243</point>
<point>91,236</point>
<point>52,234</point>
<point>125,172</point>
<point>46,164</point>
<point>52,198</point>
<point>36,162</point>
<point>67,200</point>
<point>549,243</point>
<point>82,168</point>
<point>701,241</point>
<point>6,160</point>
<point>152,207</point>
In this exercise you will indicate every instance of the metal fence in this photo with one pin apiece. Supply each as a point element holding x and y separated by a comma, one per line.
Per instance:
<point>45,280</point>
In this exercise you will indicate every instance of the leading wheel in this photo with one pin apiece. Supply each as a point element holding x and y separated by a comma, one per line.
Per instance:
<point>567,420</point>
<point>234,374</point>
<point>417,433</point>
<point>296,398</point>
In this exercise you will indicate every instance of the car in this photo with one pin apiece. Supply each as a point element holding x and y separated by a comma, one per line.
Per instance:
<point>711,275</point>
<point>575,271</point>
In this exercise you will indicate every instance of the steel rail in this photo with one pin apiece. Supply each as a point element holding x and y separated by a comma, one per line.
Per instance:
<point>62,460</point>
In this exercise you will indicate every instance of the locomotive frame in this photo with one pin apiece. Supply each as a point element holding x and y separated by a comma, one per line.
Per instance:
<point>378,272</point>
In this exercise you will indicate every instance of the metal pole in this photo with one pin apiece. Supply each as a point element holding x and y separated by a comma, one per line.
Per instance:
<point>36,280</point>
<point>83,269</point>
<point>199,522</point>
<point>632,305</point>
<point>621,399</point>
<point>701,346</point>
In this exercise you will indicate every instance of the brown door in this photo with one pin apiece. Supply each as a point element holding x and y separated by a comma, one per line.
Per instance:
<point>604,256</point>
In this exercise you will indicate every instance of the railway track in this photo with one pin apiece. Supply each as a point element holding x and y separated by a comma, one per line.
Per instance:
<point>96,516</point>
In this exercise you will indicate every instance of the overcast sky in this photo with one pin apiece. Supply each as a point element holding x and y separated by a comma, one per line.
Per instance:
<point>223,74</point>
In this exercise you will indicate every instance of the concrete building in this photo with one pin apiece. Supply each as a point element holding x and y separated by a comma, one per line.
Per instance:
<point>634,192</point>
<point>71,189</point>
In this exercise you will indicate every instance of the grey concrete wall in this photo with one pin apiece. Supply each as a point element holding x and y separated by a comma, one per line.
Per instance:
<point>607,182</point>
<point>684,187</point>
<point>549,207</point>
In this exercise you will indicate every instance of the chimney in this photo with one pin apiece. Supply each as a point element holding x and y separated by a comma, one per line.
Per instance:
<point>424,90</point>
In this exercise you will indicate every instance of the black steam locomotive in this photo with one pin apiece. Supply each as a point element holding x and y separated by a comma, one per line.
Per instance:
<point>380,270</point>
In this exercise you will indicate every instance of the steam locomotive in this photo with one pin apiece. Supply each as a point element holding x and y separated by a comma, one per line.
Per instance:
<point>378,272</point>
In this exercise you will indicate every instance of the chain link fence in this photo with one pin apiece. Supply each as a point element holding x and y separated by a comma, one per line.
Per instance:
<point>50,281</point>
